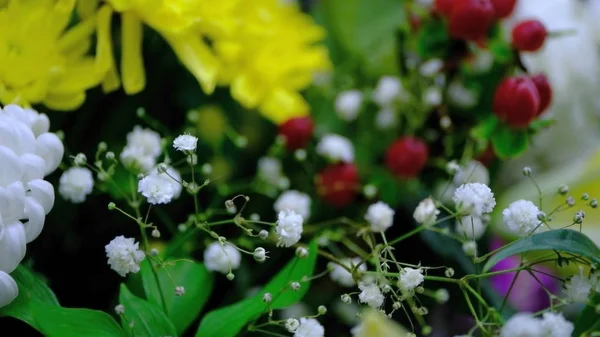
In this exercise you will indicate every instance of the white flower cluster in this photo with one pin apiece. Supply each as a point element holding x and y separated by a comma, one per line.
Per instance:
<point>161,187</point>
<point>124,255</point>
<point>289,228</point>
<point>75,184</point>
<point>550,325</point>
<point>579,287</point>
<point>387,93</point>
<point>381,216</point>
<point>340,275</point>
<point>142,150</point>
<point>222,258</point>
<point>270,171</point>
<point>348,104</point>
<point>410,278</point>
<point>336,148</point>
<point>28,152</point>
<point>521,217</point>
<point>309,327</point>
<point>426,212</point>
<point>296,201</point>
<point>474,199</point>
<point>370,294</point>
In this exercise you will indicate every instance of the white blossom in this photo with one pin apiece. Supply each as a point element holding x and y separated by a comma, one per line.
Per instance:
<point>432,96</point>
<point>410,278</point>
<point>521,217</point>
<point>555,325</point>
<point>124,255</point>
<point>292,324</point>
<point>370,294</point>
<point>142,149</point>
<point>470,248</point>
<point>431,67</point>
<point>386,118</point>
<point>289,228</point>
<point>294,200</point>
<point>75,184</point>
<point>8,289</point>
<point>578,288</point>
<point>474,199</point>
<point>470,227</point>
<point>522,325</point>
<point>221,258</point>
<point>473,172</point>
<point>185,142</point>
<point>340,275</point>
<point>461,96</point>
<point>380,215</point>
<point>336,148</point>
<point>309,327</point>
<point>135,159</point>
<point>426,212</point>
<point>388,90</point>
<point>269,170</point>
<point>156,189</point>
<point>174,177</point>
<point>348,104</point>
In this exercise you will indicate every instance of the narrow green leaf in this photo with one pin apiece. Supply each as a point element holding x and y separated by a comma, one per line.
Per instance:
<point>31,288</point>
<point>193,276</point>
<point>540,124</point>
<point>142,317</point>
<point>230,320</point>
<point>509,143</point>
<point>54,321</point>
<point>588,321</point>
<point>482,133</point>
<point>563,240</point>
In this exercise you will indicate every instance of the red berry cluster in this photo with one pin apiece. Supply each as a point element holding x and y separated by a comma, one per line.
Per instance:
<point>518,100</point>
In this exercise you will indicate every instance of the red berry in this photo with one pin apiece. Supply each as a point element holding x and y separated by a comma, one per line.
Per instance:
<point>516,101</point>
<point>471,19</point>
<point>406,157</point>
<point>503,8</point>
<point>338,184</point>
<point>545,91</point>
<point>529,35</point>
<point>297,132</point>
<point>443,7</point>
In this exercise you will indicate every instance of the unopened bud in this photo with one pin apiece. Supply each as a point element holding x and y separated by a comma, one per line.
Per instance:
<point>120,309</point>
<point>322,310</point>
<point>263,234</point>
<point>563,189</point>
<point>156,233</point>
<point>260,254</point>
<point>295,286</point>
<point>301,252</point>
<point>230,276</point>
<point>179,290</point>
<point>80,159</point>
<point>111,206</point>
<point>526,171</point>
<point>346,298</point>
<point>267,298</point>
<point>449,272</point>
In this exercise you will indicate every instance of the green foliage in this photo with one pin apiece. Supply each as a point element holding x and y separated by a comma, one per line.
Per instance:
<point>432,39</point>
<point>588,320</point>
<point>192,275</point>
<point>142,317</point>
<point>562,240</point>
<point>508,142</point>
<point>241,313</point>
<point>54,321</point>
<point>482,133</point>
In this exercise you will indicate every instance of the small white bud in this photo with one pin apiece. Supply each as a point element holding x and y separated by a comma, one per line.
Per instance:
<point>452,167</point>
<point>156,233</point>
<point>179,290</point>
<point>420,290</point>
<point>571,201</point>
<point>449,272</point>
<point>346,298</point>
<point>80,159</point>
<point>578,217</point>
<point>153,252</point>
<point>442,295</point>
<point>322,310</point>
<point>263,234</point>
<point>585,197</point>
<point>301,252</point>
<point>254,217</point>
<point>260,254</point>
<point>445,122</point>
<point>594,203</point>
<point>102,146</point>
<point>109,155</point>
<point>162,168</point>
<point>386,288</point>
<point>207,169</point>
<point>295,286</point>
<point>300,154</point>
<point>470,248</point>
<point>111,206</point>
<point>120,309</point>
<point>370,191</point>
<point>563,189</point>
<point>292,324</point>
<point>526,171</point>
<point>267,298</point>
<point>230,276</point>
<point>181,227</point>
<point>541,216</point>
<point>397,305</point>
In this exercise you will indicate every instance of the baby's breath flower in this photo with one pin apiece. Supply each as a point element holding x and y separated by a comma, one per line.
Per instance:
<point>388,90</point>
<point>185,142</point>
<point>340,275</point>
<point>521,217</point>
<point>301,252</point>
<point>347,104</point>
<point>124,255</point>
<point>80,159</point>
<point>291,324</point>
<point>289,228</point>
<point>336,148</point>
<point>555,325</point>
<point>75,184</point>
<point>578,288</point>
<point>119,309</point>
<point>263,234</point>
<point>470,248</point>
<point>156,189</point>
<point>309,327</point>
<point>294,200</point>
<point>522,324</point>
<point>295,286</point>
<point>426,212</point>
<point>474,199</point>
<point>410,278</point>
<point>179,291</point>
<point>380,215</point>
<point>470,227</point>
<point>267,298</point>
<point>221,258</point>
<point>371,295</point>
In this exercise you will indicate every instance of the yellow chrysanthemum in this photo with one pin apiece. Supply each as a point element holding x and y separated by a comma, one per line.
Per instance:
<point>42,58</point>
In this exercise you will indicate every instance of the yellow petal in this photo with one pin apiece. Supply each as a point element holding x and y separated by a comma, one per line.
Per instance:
<point>65,102</point>
<point>282,105</point>
<point>76,78</point>
<point>375,324</point>
<point>105,61</point>
<point>247,93</point>
<point>78,34</point>
<point>132,62</point>
<point>196,57</point>
<point>87,8</point>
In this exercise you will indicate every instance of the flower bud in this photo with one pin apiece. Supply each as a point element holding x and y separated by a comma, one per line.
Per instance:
<point>292,324</point>
<point>111,206</point>
<point>295,286</point>
<point>594,203</point>
<point>80,159</point>
<point>230,276</point>
<point>563,189</point>
<point>301,252</point>
<point>153,252</point>
<point>260,254</point>
<point>110,155</point>
<point>346,298</point>
<point>322,310</point>
<point>179,290</point>
<point>526,171</point>
<point>397,305</point>
<point>267,298</point>
<point>449,272</point>
<point>120,309</point>
<point>263,234</point>
<point>156,233</point>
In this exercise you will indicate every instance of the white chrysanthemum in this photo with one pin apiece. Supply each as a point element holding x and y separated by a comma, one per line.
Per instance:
<point>410,278</point>
<point>156,189</point>
<point>380,215</point>
<point>470,227</point>
<point>388,90</point>
<point>348,103</point>
<point>386,118</point>
<point>522,325</point>
<point>340,275</point>
<point>296,201</point>
<point>473,172</point>
<point>134,158</point>
<point>185,142</point>
<point>309,327</point>
<point>269,170</point>
<point>75,184</point>
<point>336,148</point>
<point>370,294</point>
<point>426,212</point>
<point>221,258</point>
<point>555,325</point>
<point>124,255</point>
<point>578,288</point>
<point>8,289</point>
<point>289,228</point>
<point>474,199</point>
<point>521,217</point>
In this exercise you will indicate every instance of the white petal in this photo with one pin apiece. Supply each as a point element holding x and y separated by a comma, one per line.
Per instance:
<point>11,166</point>
<point>12,202</point>
<point>51,149</point>
<point>36,215</point>
<point>16,135</point>
<point>43,192</point>
<point>33,166</point>
<point>12,246</point>
<point>8,289</point>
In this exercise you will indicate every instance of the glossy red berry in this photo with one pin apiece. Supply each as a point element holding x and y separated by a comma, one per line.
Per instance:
<point>503,8</point>
<point>338,184</point>
<point>443,7</point>
<point>406,157</point>
<point>471,19</point>
<point>516,101</point>
<point>297,132</point>
<point>529,35</point>
<point>545,91</point>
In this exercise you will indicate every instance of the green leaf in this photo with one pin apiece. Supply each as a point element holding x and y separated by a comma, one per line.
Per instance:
<point>502,51</point>
<point>142,317</point>
<point>54,321</point>
<point>31,290</point>
<point>193,276</point>
<point>588,321</point>
<point>432,39</point>
<point>509,143</point>
<point>483,132</point>
<point>563,240</point>
<point>540,124</point>
<point>230,320</point>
